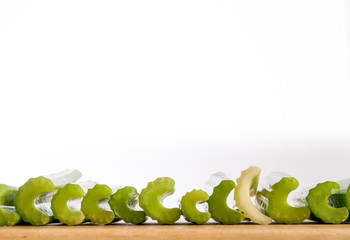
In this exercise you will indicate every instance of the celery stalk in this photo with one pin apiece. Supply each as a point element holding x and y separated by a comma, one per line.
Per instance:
<point>124,202</point>
<point>189,208</point>
<point>33,198</point>
<point>272,199</point>
<point>94,205</point>
<point>246,187</point>
<point>8,214</point>
<point>151,199</point>
<point>320,205</point>
<point>63,204</point>
<point>342,197</point>
<point>218,208</point>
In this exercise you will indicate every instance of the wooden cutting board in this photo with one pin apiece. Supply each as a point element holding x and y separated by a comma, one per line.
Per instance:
<point>244,231</point>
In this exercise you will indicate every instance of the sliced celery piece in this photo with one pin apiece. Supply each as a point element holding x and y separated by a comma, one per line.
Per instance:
<point>124,202</point>
<point>246,187</point>
<point>33,198</point>
<point>59,206</point>
<point>218,208</point>
<point>317,201</point>
<point>342,197</point>
<point>151,199</point>
<point>62,203</point>
<point>189,208</point>
<point>273,199</point>
<point>93,205</point>
<point>8,214</point>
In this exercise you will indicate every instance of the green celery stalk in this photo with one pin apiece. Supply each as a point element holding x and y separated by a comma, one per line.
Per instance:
<point>217,203</point>
<point>124,202</point>
<point>272,199</point>
<point>33,199</point>
<point>8,214</point>
<point>324,208</point>
<point>95,205</point>
<point>189,208</point>
<point>151,199</point>
<point>63,203</point>
<point>342,197</point>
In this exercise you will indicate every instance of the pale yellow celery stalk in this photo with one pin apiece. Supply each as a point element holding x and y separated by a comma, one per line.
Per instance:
<point>246,188</point>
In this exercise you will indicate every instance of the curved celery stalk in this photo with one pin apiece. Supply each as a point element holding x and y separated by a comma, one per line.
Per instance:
<point>317,201</point>
<point>93,206</point>
<point>123,203</point>
<point>218,208</point>
<point>62,203</point>
<point>151,199</point>
<point>246,187</point>
<point>8,214</point>
<point>33,198</point>
<point>342,197</point>
<point>273,200</point>
<point>189,209</point>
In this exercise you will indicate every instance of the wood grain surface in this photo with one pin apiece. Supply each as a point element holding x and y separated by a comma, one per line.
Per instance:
<point>243,231</point>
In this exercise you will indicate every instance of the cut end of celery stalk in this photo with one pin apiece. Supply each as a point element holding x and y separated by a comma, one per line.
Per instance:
<point>217,203</point>
<point>189,209</point>
<point>151,199</point>
<point>60,208</point>
<point>26,196</point>
<point>279,209</point>
<point>9,216</point>
<point>246,187</point>
<point>120,203</point>
<point>90,205</point>
<point>317,201</point>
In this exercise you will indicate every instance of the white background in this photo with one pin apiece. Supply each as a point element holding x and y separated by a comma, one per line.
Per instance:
<point>127,91</point>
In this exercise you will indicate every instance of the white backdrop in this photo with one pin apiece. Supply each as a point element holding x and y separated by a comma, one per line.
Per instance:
<point>127,91</point>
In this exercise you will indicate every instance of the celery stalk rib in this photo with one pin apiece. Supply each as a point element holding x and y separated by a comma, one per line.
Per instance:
<point>318,202</point>
<point>218,208</point>
<point>123,204</point>
<point>189,208</point>
<point>60,204</point>
<point>272,199</point>
<point>342,197</point>
<point>246,187</point>
<point>151,199</point>
<point>90,205</point>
